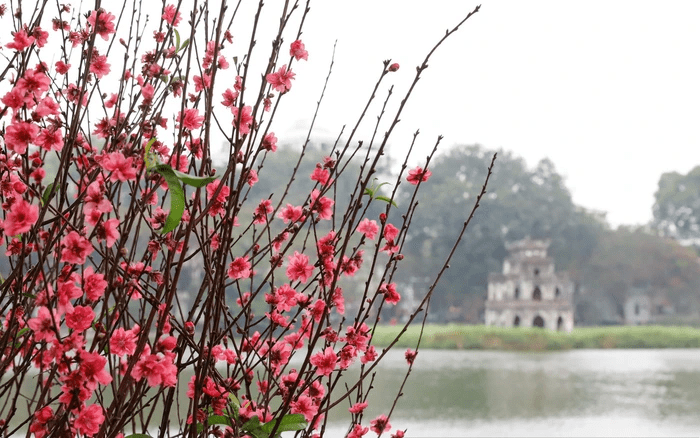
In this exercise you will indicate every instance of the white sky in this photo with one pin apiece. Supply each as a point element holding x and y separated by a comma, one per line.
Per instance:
<point>608,90</point>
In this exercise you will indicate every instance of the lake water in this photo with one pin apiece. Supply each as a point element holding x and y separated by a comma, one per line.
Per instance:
<point>592,393</point>
<point>576,393</point>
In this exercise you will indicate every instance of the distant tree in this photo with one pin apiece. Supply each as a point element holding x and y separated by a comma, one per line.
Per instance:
<point>631,259</point>
<point>520,202</point>
<point>279,167</point>
<point>677,206</point>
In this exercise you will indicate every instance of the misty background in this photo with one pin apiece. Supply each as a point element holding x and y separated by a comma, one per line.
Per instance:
<point>607,91</point>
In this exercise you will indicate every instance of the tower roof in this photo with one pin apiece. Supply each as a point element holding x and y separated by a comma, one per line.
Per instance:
<point>528,243</point>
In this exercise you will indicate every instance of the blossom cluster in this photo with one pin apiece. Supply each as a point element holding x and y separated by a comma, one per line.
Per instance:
<point>136,267</point>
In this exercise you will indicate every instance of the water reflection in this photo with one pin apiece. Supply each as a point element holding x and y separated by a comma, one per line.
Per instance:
<point>593,393</point>
<point>572,393</point>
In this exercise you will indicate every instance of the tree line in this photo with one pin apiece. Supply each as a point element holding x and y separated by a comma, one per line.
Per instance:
<point>607,265</point>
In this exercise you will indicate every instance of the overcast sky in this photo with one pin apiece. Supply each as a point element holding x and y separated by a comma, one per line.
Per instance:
<point>608,90</point>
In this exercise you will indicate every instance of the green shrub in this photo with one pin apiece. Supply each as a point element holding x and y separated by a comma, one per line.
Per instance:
<point>479,337</point>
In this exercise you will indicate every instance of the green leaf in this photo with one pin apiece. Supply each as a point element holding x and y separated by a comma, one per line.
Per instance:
<point>177,197</point>
<point>387,200</point>
<point>45,197</point>
<point>138,435</point>
<point>371,191</point>
<point>19,335</point>
<point>194,181</point>
<point>177,193</point>
<point>382,184</point>
<point>253,423</point>
<point>184,45</point>
<point>147,148</point>
<point>219,419</point>
<point>149,158</point>
<point>267,427</point>
<point>22,332</point>
<point>290,422</point>
<point>234,401</point>
<point>259,433</point>
<point>177,40</point>
<point>254,428</point>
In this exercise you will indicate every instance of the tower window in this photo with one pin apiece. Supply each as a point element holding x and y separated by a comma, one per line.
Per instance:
<point>537,294</point>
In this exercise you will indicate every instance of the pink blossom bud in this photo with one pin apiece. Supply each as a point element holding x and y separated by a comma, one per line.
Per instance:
<point>189,327</point>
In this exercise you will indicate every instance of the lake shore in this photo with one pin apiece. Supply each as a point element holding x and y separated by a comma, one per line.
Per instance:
<point>480,337</point>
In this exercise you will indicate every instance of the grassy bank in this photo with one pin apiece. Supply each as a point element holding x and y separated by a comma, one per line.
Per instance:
<point>455,336</point>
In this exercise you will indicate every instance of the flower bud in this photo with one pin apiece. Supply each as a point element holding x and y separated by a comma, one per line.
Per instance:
<point>189,327</point>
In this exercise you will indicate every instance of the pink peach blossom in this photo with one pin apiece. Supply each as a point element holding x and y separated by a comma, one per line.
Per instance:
<point>324,361</point>
<point>122,342</point>
<point>239,268</point>
<point>270,142</point>
<point>190,119</point>
<point>121,168</point>
<point>21,41</point>
<point>103,23</point>
<point>76,248</point>
<point>80,318</point>
<point>369,228</point>
<point>299,268</point>
<point>21,217</point>
<point>380,424</point>
<point>298,51</point>
<point>89,420</point>
<point>281,80</point>
<point>18,135</point>
<point>417,175</point>
<point>171,15</point>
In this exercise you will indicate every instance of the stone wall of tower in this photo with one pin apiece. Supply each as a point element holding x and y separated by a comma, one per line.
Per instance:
<point>529,292</point>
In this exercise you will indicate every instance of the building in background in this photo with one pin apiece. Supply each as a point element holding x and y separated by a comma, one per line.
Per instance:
<point>637,308</point>
<point>648,306</point>
<point>529,292</point>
